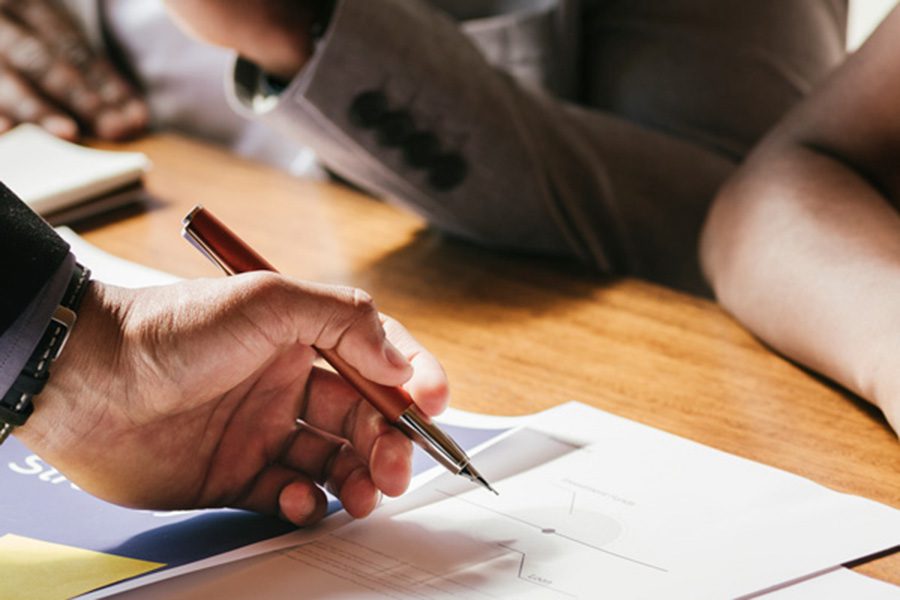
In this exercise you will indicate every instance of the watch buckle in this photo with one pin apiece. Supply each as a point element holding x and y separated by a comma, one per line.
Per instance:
<point>66,317</point>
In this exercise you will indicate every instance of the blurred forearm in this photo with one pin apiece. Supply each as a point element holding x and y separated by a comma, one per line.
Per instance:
<point>806,253</point>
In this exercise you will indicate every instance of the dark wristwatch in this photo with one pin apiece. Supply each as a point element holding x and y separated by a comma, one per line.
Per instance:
<point>16,405</point>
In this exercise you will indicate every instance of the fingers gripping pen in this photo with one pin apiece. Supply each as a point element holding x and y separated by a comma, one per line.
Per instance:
<point>224,248</point>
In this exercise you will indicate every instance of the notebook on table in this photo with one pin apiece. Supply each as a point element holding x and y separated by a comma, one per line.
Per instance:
<point>64,182</point>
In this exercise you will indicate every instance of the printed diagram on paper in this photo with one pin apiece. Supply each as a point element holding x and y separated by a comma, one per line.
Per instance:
<point>591,506</point>
<point>546,535</point>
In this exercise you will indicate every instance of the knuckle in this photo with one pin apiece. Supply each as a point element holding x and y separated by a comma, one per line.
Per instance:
<point>360,307</point>
<point>83,99</point>
<point>111,91</point>
<point>77,53</point>
<point>29,108</point>
<point>362,300</point>
<point>270,301</point>
<point>31,56</point>
<point>59,80</point>
<point>350,304</point>
<point>268,286</point>
<point>369,425</point>
<point>9,33</point>
<point>348,309</point>
<point>259,296</point>
<point>357,300</point>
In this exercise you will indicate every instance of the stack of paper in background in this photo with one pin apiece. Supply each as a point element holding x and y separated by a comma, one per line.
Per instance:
<point>65,182</point>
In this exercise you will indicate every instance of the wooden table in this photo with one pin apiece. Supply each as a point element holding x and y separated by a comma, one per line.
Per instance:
<point>520,335</point>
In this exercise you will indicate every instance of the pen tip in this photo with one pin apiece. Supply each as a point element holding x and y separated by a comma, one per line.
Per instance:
<point>488,486</point>
<point>474,476</point>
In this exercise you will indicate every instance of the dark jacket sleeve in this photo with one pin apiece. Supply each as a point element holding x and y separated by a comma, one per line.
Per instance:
<point>30,252</point>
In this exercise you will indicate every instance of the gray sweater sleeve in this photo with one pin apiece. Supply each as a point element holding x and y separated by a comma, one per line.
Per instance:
<point>400,100</point>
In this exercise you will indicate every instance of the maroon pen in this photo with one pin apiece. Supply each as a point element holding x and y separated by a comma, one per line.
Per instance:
<point>224,248</point>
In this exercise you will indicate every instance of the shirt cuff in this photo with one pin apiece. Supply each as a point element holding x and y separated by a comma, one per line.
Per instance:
<point>19,341</point>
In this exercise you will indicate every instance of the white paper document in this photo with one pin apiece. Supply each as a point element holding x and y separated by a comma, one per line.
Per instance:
<point>635,513</point>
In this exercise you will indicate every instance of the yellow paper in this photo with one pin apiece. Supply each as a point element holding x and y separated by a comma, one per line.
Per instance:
<point>35,570</point>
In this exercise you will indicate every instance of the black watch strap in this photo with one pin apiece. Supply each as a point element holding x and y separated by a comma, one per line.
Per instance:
<point>16,405</point>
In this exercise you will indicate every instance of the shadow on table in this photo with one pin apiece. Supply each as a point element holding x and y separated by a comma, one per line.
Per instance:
<point>434,268</point>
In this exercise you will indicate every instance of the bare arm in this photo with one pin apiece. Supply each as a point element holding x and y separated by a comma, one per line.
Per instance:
<point>803,244</point>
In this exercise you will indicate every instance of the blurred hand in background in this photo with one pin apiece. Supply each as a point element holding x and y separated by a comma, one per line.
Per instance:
<point>50,76</point>
<point>274,34</point>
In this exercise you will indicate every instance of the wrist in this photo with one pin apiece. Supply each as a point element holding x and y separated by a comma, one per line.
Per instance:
<point>17,400</point>
<point>78,393</point>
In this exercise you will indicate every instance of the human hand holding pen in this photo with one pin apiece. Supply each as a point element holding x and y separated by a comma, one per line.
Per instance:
<point>230,253</point>
<point>185,396</point>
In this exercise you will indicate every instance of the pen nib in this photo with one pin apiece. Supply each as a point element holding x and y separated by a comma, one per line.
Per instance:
<point>486,485</point>
<point>474,476</point>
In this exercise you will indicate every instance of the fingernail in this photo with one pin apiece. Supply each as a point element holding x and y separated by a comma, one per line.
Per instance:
<point>306,509</point>
<point>395,357</point>
<point>60,126</point>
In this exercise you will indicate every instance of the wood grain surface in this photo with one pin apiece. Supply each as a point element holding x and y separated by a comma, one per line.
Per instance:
<point>519,334</point>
